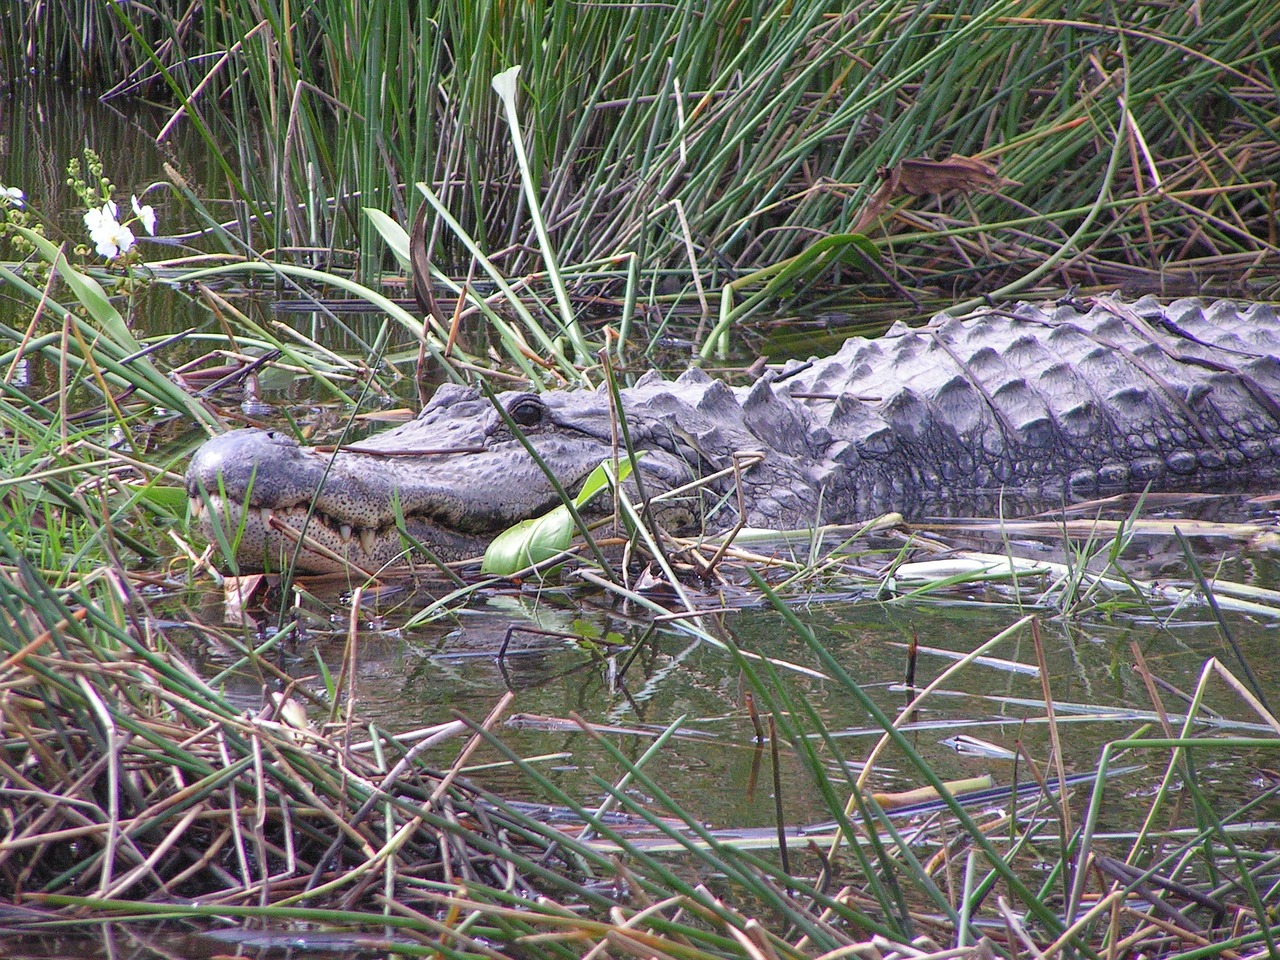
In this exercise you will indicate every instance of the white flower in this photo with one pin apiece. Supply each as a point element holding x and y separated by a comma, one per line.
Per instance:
<point>11,196</point>
<point>112,239</point>
<point>146,215</point>
<point>94,216</point>
<point>109,236</point>
<point>504,84</point>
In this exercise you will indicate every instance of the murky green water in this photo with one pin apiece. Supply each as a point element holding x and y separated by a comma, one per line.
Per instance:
<point>528,641</point>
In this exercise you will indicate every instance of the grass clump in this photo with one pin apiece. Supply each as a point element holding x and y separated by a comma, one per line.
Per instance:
<point>136,784</point>
<point>138,780</point>
<point>140,791</point>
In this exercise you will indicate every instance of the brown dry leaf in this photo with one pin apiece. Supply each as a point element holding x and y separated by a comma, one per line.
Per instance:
<point>922,176</point>
<point>647,581</point>
<point>398,415</point>
<point>236,594</point>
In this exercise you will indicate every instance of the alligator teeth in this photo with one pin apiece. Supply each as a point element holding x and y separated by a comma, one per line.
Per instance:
<point>367,540</point>
<point>345,532</point>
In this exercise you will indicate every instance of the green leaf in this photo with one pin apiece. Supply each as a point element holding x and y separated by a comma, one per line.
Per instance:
<point>173,499</point>
<point>586,630</point>
<point>87,290</point>
<point>529,542</point>
<point>537,539</point>
<point>819,256</point>
<point>599,479</point>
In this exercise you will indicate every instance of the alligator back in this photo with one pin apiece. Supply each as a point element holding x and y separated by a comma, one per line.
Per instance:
<point>1051,399</point>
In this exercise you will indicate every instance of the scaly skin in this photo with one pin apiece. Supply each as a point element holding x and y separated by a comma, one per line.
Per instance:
<point>1039,401</point>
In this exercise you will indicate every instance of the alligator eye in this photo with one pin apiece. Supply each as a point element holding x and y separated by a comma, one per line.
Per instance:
<point>527,411</point>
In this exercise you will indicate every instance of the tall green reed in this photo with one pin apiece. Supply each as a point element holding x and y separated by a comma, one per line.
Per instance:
<point>716,139</point>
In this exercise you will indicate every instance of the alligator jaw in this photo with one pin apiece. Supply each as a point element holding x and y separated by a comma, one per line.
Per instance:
<point>268,538</point>
<point>263,493</point>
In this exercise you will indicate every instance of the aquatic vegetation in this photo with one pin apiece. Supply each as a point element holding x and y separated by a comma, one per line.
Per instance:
<point>1093,143</point>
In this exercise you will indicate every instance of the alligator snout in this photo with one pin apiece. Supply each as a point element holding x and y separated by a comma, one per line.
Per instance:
<point>275,502</point>
<point>254,467</point>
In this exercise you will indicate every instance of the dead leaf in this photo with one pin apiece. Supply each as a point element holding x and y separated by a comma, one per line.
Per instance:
<point>236,594</point>
<point>647,581</point>
<point>922,176</point>
<point>398,415</point>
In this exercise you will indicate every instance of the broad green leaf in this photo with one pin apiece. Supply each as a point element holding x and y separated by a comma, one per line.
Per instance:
<point>88,291</point>
<point>599,479</point>
<point>529,542</point>
<point>586,629</point>
<point>537,539</point>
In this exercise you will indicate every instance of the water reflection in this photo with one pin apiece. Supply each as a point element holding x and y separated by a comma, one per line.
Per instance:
<point>44,125</point>
<point>545,646</point>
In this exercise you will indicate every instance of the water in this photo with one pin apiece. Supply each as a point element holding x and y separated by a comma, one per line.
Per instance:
<point>44,126</point>
<point>561,650</point>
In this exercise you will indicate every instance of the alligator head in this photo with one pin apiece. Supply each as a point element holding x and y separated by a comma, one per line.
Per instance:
<point>456,476</point>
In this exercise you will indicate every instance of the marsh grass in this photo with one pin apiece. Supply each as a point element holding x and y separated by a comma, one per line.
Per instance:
<point>136,786</point>
<point>1135,144</point>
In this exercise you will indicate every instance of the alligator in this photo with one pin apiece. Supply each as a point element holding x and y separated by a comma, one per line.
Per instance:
<point>1056,401</point>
